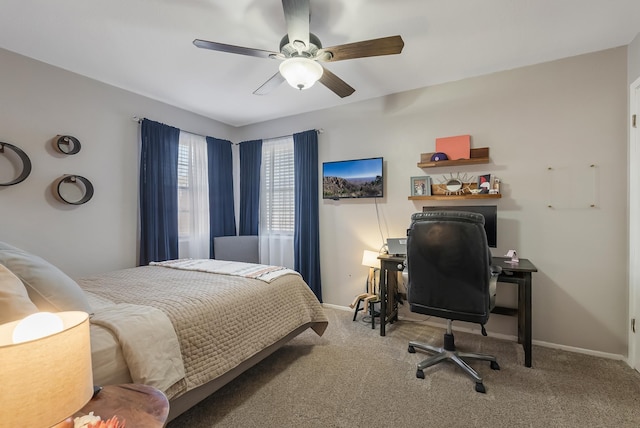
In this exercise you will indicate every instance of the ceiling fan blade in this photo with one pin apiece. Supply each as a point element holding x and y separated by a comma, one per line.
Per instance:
<point>336,84</point>
<point>221,47</point>
<point>296,13</point>
<point>268,86</point>
<point>374,47</point>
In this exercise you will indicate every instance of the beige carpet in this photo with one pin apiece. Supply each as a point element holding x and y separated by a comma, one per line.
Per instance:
<point>353,377</point>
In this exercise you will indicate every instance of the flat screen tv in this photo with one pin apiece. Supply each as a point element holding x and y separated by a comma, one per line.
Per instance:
<point>356,178</point>
<point>490,213</point>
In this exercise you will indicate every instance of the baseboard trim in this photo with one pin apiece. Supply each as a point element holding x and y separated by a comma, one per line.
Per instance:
<point>340,308</point>
<point>513,338</point>
<point>581,350</point>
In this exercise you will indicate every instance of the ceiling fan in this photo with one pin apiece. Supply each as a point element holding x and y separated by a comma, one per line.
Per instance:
<point>301,52</point>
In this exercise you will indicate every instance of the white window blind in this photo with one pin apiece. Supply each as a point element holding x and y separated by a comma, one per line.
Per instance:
<point>183,190</point>
<point>278,185</point>
<point>277,202</point>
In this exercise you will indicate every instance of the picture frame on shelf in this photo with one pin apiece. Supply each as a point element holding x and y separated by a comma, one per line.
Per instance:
<point>484,183</point>
<point>421,186</point>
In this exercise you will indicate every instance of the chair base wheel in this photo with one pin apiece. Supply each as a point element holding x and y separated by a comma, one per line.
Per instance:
<point>450,354</point>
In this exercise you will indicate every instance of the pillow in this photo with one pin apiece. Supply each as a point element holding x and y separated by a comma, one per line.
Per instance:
<point>48,287</point>
<point>14,300</point>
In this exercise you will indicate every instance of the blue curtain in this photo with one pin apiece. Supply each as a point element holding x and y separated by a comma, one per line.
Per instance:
<point>222,219</point>
<point>250,160</point>
<point>306,239</point>
<point>158,192</point>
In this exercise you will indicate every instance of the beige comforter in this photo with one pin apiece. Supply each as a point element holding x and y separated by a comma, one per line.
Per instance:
<point>148,343</point>
<point>219,320</point>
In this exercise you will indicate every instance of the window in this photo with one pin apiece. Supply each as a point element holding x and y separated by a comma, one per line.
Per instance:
<point>277,202</point>
<point>184,163</point>
<point>193,197</point>
<point>277,196</point>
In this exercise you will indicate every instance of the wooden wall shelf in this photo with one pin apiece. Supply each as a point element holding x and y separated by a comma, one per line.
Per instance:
<point>454,197</point>
<point>478,156</point>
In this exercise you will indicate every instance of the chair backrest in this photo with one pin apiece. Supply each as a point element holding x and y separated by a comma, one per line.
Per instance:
<point>449,266</point>
<point>236,248</point>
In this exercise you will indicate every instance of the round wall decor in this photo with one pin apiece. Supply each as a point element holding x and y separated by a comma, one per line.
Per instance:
<point>26,163</point>
<point>67,144</point>
<point>73,189</point>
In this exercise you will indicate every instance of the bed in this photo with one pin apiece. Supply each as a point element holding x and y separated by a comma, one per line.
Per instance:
<point>185,327</point>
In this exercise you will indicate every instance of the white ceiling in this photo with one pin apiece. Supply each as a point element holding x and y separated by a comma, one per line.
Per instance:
<point>145,46</point>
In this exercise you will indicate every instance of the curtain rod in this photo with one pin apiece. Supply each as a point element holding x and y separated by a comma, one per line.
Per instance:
<point>319,131</point>
<point>139,120</point>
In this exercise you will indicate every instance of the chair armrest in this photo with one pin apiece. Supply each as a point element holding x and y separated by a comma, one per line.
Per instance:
<point>493,285</point>
<point>496,270</point>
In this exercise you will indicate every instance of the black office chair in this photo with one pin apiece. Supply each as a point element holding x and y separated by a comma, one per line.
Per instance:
<point>450,276</point>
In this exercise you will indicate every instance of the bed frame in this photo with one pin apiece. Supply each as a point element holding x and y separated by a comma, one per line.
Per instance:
<point>184,402</point>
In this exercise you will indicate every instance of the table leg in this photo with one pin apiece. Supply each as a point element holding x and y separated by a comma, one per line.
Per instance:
<point>521,310</point>
<point>383,298</point>
<point>523,281</point>
<point>527,320</point>
<point>372,312</point>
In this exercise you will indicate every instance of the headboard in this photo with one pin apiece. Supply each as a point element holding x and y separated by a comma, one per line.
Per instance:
<point>236,248</point>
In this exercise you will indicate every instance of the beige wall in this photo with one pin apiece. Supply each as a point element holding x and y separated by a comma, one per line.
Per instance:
<point>39,101</point>
<point>633,59</point>
<point>568,114</point>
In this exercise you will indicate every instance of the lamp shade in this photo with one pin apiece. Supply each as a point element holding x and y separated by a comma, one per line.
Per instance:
<point>45,380</point>
<point>300,72</point>
<point>370,258</point>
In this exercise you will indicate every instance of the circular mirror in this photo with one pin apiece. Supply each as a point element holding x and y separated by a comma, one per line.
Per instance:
<point>68,145</point>
<point>453,185</point>
<point>18,164</point>
<point>74,189</point>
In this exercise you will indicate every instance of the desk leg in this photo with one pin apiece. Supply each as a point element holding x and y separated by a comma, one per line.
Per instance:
<point>521,311</point>
<point>383,298</point>
<point>524,317</point>
<point>523,280</point>
<point>527,320</point>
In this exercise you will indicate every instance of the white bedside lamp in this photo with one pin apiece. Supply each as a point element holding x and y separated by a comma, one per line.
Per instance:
<point>370,258</point>
<point>45,361</point>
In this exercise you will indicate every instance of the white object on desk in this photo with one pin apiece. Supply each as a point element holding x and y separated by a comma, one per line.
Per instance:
<point>514,257</point>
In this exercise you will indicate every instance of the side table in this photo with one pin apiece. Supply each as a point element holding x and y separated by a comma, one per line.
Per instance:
<point>138,405</point>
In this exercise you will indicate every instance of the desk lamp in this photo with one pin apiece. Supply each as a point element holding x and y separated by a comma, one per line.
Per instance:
<point>370,259</point>
<point>45,366</point>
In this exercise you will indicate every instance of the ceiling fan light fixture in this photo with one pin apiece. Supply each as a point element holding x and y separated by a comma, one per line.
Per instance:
<point>301,73</point>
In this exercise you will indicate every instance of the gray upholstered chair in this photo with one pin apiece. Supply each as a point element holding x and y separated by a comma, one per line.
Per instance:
<point>450,276</point>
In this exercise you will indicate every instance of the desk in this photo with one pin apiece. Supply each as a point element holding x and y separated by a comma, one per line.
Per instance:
<point>519,274</point>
